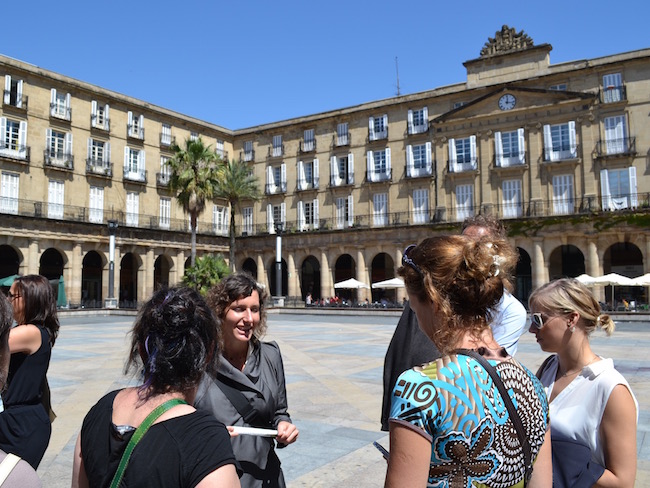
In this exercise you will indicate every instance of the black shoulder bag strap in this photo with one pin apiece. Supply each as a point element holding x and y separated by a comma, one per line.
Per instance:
<point>544,366</point>
<point>237,398</point>
<point>512,412</point>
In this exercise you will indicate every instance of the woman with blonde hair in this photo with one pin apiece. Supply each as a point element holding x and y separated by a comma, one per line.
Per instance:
<point>475,416</point>
<point>591,403</point>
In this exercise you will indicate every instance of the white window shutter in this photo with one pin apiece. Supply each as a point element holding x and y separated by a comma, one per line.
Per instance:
<point>371,128</point>
<point>316,216</point>
<point>498,148</point>
<point>425,113</point>
<point>429,158</point>
<point>19,102</point>
<point>370,167</point>
<point>334,171</point>
<point>572,139</point>
<point>633,197</point>
<point>141,162</point>
<point>350,168</point>
<point>68,144</point>
<point>93,113</point>
<point>3,128</point>
<point>126,158</point>
<point>301,215</point>
<point>315,176</point>
<point>283,176</point>
<point>269,218</point>
<point>52,100</point>
<point>388,165</point>
<point>385,122</point>
<point>48,139</point>
<point>107,154</point>
<point>301,176</point>
<point>22,135</point>
<point>130,121</point>
<point>409,160</point>
<point>106,117</point>
<point>604,190</point>
<point>472,149</point>
<point>7,90</point>
<point>522,145</point>
<point>410,122</point>
<point>350,211</point>
<point>67,105</point>
<point>452,155</point>
<point>269,177</point>
<point>90,147</point>
<point>283,212</point>
<point>548,143</point>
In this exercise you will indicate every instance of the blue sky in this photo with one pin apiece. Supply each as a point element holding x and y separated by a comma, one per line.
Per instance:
<point>244,63</point>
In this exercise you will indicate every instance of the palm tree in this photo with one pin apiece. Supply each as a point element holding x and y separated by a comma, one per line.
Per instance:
<point>193,178</point>
<point>236,183</point>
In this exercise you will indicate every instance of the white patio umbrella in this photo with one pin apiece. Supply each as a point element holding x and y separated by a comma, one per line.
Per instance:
<point>613,279</point>
<point>351,284</point>
<point>586,279</point>
<point>643,280</point>
<point>391,284</point>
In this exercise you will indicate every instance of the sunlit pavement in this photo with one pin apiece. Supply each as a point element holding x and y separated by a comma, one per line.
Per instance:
<point>333,365</point>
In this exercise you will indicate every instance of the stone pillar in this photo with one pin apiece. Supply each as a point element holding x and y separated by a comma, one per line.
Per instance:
<point>293,283</point>
<point>326,288</point>
<point>118,272</point>
<point>73,277</point>
<point>539,271</point>
<point>261,271</point>
<point>401,292</point>
<point>32,258</point>
<point>362,275</point>
<point>148,274</point>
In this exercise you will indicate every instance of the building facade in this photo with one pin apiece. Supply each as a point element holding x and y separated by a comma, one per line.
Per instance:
<point>559,152</point>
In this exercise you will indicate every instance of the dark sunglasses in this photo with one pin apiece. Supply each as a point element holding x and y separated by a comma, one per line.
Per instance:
<point>407,261</point>
<point>537,319</point>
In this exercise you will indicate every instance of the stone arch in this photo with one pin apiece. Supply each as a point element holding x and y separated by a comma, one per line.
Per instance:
<point>626,259</point>
<point>91,280</point>
<point>129,267</point>
<point>382,268</point>
<point>345,268</point>
<point>161,268</point>
<point>52,263</point>
<point>10,260</point>
<point>272,280</point>
<point>310,277</point>
<point>523,277</point>
<point>250,266</point>
<point>566,260</point>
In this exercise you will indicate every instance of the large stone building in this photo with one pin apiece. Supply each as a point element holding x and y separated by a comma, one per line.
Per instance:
<point>559,151</point>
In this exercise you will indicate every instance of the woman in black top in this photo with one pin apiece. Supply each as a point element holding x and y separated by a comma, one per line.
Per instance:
<point>25,427</point>
<point>174,340</point>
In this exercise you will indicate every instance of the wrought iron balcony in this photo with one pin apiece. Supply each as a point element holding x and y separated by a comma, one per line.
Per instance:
<point>411,172</point>
<point>616,147</point>
<point>58,160</point>
<point>461,166</point>
<point>563,153</point>
<point>342,180</point>
<point>162,179</point>
<point>60,111</point>
<point>613,94</point>
<point>308,146</point>
<point>247,156</point>
<point>135,132</point>
<point>417,129</point>
<point>342,139</point>
<point>11,99</point>
<point>378,135</point>
<point>167,140</point>
<point>378,176</point>
<point>99,168</point>
<point>276,151</point>
<point>101,124</point>
<point>138,176</point>
<point>15,152</point>
<point>302,185</point>
<point>273,189</point>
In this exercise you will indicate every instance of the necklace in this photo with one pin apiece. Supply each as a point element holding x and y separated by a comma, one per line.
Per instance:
<point>571,373</point>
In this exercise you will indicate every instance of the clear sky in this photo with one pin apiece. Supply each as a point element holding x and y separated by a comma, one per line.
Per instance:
<point>243,63</point>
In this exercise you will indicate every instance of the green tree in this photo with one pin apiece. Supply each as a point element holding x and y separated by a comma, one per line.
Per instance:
<point>236,183</point>
<point>206,272</point>
<point>193,178</point>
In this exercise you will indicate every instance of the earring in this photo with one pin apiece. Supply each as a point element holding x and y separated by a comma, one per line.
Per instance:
<point>572,329</point>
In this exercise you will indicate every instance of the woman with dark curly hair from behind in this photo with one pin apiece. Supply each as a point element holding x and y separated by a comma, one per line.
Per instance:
<point>449,422</point>
<point>25,427</point>
<point>174,340</point>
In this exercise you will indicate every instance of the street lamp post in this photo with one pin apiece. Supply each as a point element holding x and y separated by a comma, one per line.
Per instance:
<point>278,299</point>
<point>111,301</point>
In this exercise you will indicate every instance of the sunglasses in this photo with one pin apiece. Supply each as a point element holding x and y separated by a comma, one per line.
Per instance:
<point>407,261</point>
<point>537,319</point>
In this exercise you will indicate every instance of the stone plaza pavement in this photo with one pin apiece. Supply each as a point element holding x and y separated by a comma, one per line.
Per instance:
<point>333,365</point>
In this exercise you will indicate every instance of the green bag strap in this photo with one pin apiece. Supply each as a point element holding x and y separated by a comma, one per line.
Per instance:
<point>139,434</point>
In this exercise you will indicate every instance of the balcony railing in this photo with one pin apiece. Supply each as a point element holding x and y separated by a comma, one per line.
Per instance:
<point>135,132</point>
<point>614,147</point>
<point>138,176</point>
<point>411,172</point>
<point>101,124</point>
<point>167,140</point>
<point>247,156</point>
<point>15,152</point>
<point>302,185</point>
<point>563,153</point>
<point>162,179</point>
<point>378,135</point>
<point>378,176</point>
<point>273,189</point>
<point>417,129</point>
<point>613,94</point>
<point>509,160</point>
<point>60,111</point>
<point>99,168</point>
<point>308,146</point>
<point>11,99</point>
<point>342,180</point>
<point>467,164</point>
<point>58,160</point>
<point>276,151</point>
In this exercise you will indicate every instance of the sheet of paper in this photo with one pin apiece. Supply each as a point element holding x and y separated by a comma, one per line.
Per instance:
<point>255,431</point>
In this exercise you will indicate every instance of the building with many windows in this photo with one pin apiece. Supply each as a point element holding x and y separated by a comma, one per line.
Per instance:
<point>560,152</point>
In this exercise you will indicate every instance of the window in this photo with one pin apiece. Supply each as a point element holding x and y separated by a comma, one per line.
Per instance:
<point>165,171</point>
<point>560,142</point>
<point>342,134</point>
<point>464,202</point>
<point>342,170</point>
<point>13,138</point>
<point>309,142</point>
<point>462,154</point>
<point>59,104</point>
<point>308,174</point>
<point>563,194</point>
<point>99,117</point>
<point>378,128</point>
<point>247,221</point>
<point>55,200</point>
<point>132,204</point>
<point>344,212</point>
<point>418,160</point>
<point>59,148</point>
<point>135,126</point>
<point>275,213</point>
<point>248,151</point>
<point>613,88</point>
<point>194,136</point>
<point>96,205</point>
<point>618,188</point>
<point>420,206</point>
<point>458,104</point>
<point>220,220</point>
<point>276,179</point>
<point>418,121</point>
<point>616,134</point>
<point>308,215</point>
<point>380,209</point>
<point>511,199</point>
<point>220,149</point>
<point>166,135</point>
<point>9,193</point>
<point>379,168</point>
<point>558,87</point>
<point>13,94</point>
<point>165,212</point>
<point>277,149</point>
<point>509,148</point>
<point>134,164</point>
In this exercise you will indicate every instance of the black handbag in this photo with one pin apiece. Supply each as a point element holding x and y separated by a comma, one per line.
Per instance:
<point>512,411</point>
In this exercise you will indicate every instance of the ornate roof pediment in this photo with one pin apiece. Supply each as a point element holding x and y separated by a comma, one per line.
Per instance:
<point>506,40</point>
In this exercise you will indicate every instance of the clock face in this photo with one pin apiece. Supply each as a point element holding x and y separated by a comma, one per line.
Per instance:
<point>507,102</point>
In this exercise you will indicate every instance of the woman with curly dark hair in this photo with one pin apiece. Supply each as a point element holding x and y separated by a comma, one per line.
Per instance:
<point>174,340</point>
<point>25,427</point>
<point>450,423</point>
<point>248,390</point>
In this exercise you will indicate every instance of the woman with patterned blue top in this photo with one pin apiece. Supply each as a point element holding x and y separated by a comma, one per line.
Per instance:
<point>449,425</point>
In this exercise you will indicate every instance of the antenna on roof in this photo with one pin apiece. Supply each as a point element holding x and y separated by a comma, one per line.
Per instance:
<point>397,74</point>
